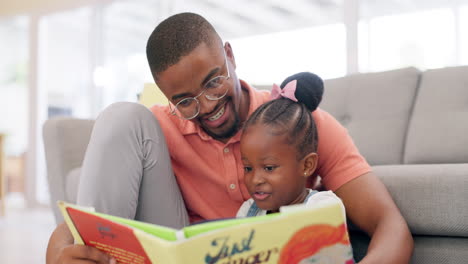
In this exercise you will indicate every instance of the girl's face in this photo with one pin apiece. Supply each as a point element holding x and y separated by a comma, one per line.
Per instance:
<point>272,174</point>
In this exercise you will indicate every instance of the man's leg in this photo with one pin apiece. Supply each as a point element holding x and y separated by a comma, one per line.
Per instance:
<point>127,169</point>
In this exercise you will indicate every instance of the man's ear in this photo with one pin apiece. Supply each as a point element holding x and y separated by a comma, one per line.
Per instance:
<point>230,54</point>
<point>310,164</point>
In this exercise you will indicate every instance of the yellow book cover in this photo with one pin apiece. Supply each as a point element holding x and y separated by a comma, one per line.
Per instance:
<point>299,234</point>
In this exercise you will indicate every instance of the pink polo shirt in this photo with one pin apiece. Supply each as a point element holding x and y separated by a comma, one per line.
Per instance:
<point>210,173</point>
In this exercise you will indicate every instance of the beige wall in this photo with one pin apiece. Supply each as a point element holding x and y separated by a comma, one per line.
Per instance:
<point>22,7</point>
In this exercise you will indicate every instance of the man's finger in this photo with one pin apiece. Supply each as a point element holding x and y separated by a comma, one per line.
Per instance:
<point>86,253</point>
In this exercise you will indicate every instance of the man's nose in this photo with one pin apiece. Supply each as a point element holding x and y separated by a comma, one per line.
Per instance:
<point>206,106</point>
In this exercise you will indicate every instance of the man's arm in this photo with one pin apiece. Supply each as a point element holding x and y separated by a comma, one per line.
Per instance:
<point>369,205</point>
<point>61,250</point>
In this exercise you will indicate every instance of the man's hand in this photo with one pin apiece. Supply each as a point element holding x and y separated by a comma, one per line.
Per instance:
<point>369,206</point>
<point>61,250</point>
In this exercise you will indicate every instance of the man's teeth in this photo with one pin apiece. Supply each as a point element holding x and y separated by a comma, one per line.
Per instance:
<point>218,115</point>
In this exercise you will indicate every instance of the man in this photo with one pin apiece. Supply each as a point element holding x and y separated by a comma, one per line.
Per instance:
<point>132,157</point>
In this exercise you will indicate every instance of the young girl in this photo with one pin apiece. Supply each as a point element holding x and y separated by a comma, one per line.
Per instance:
<point>279,145</point>
<point>279,152</point>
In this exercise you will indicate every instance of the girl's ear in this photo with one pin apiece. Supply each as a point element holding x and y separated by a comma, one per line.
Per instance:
<point>310,163</point>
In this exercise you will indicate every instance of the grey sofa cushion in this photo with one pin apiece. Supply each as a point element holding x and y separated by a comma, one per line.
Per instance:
<point>65,143</point>
<point>432,198</point>
<point>375,108</point>
<point>447,250</point>
<point>427,249</point>
<point>439,125</point>
<point>71,185</point>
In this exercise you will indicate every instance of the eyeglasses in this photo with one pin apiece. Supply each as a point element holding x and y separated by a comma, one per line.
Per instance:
<point>189,108</point>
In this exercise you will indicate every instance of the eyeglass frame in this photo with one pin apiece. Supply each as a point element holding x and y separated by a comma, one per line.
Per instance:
<point>173,110</point>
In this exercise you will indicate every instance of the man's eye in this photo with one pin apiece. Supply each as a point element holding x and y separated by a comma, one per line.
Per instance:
<point>214,83</point>
<point>247,169</point>
<point>184,103</point>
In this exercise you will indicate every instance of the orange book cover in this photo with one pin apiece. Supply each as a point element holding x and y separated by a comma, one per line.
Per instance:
<point>116,239</point>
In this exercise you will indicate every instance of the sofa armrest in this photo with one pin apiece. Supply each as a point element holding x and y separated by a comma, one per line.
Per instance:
<point>432,198</point>
<point>65,143</point>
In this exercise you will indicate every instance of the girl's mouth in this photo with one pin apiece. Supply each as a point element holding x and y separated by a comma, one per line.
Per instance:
<point>260,196</point>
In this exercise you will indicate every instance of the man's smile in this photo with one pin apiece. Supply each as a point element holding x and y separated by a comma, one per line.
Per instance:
<point>217,118</point>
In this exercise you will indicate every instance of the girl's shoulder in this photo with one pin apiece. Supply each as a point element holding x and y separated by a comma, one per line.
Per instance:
<point>315,197</point>
<point>245,207</point>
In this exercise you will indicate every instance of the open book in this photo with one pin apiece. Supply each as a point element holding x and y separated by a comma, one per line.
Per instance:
<point>298,234</point>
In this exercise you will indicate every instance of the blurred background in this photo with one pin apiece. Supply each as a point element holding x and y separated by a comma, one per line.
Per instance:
<point>64,57</point>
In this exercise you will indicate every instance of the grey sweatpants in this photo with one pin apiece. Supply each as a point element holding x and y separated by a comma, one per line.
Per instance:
<point>127,169</point>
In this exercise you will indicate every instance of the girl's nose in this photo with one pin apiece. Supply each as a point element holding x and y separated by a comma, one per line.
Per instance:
<point>258,178</point>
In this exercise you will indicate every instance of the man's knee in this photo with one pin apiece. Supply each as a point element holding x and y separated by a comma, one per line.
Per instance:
<point>126,113</point>
<point>126,117</point>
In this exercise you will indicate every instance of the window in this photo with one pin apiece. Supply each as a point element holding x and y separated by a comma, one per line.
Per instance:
<point>273,39</point>
<point>464,34</point>
<point>270,58</point>
<point>423,39</point>
<point>13,84</point>
<point>124,70</point>
<point>64,62</point>
<point>14,107</point>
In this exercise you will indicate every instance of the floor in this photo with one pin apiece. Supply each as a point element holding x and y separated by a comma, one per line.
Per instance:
<point>24,234</point>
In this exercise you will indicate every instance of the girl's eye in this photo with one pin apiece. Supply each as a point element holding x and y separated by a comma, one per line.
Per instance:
<point>270,168</point>
<point>247,169</point>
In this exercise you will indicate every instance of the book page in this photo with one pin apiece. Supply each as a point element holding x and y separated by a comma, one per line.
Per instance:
<point>201,228</point>
<point>312,235</point>
<point>162,232</point>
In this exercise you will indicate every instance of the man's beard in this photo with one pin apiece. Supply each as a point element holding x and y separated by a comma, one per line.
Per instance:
<point>229,133</point>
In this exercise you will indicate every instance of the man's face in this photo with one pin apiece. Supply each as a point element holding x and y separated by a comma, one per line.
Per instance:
<point>218,118</point>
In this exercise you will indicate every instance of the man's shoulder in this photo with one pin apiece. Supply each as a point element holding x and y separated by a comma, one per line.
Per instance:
<point>320,114</point>
<point>262,95</point>
<point>325,121</point>
<point>168,122</point>
<point>162,113</point>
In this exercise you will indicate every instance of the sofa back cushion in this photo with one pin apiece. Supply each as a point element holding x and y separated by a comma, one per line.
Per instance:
<point>375,108</point>
<point>65,143</point>
<point>438,131</point>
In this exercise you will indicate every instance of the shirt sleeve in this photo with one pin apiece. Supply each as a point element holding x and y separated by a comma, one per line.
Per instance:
<point>322,198</point>
<point>339,160</point>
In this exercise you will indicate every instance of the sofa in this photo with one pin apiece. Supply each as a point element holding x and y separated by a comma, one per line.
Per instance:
<point>410,125</point>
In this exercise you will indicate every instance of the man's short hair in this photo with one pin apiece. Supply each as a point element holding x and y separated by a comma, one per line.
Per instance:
<point>175,37</point>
